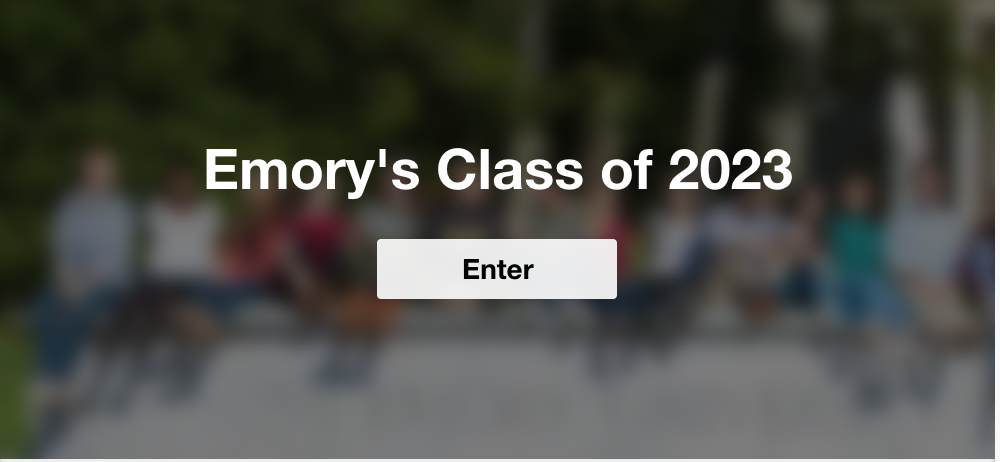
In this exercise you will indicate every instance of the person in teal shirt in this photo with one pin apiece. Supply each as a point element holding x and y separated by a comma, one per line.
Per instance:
<point>864,294</point>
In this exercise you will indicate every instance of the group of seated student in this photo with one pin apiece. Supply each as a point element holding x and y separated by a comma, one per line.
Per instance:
<point>906,281</point>
<point>908,274</point>
<point>176,270</point>
<point>900,284</point>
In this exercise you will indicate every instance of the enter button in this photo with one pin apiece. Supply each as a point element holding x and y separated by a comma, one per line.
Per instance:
<point>497,269</point>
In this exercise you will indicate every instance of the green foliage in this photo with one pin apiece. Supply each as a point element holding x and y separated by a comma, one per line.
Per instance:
<point>14,371</point>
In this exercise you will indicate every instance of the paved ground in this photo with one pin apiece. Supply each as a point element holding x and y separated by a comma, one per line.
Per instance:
<point>514,398</point>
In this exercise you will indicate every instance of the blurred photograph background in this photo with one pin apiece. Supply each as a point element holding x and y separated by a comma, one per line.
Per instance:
<point>849,315</point>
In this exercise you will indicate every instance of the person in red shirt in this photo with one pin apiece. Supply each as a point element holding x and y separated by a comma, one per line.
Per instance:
<point>619,321</point>
<point>314,253</point>
<point>607,221</point>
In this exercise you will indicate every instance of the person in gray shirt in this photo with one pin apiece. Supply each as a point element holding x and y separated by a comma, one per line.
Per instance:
<point>91,233</point>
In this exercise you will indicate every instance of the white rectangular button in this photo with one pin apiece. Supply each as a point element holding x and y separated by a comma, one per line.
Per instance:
<point>531,269</point>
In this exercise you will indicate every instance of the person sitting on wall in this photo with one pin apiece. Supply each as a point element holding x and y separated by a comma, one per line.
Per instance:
<point>91,246</point>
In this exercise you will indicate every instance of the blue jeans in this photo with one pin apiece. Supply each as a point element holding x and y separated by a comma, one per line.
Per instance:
<point>221,299</point>
<point>224,299</point>
<point>870,302</point>
<point>62,327</point>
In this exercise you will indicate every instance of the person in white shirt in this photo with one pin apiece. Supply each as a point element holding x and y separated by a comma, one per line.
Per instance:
<point>924,241</point>
<point>678,258</point>
<point>182,236</point>
<point>678,241</point>
<point>182,295</point>
<point>747,240</point>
